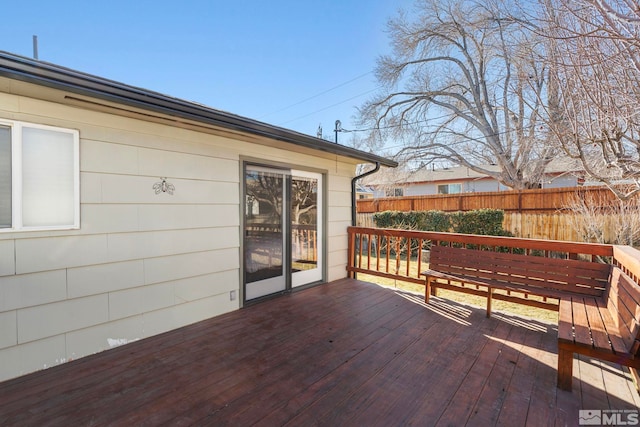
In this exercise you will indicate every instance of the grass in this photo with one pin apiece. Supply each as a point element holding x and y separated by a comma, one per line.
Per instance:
<point>522,310</point>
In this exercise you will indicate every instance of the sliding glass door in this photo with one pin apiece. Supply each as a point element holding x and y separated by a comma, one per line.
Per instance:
<point>264,232</point>
<point>306,227</point>
<point>282,236</point>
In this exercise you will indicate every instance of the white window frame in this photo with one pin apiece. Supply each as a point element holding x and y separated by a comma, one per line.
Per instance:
<point>16,177</point>
<point>394,192</point>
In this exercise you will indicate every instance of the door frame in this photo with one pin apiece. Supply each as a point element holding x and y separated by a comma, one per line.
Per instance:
<point>278,284</point>
<point>320,229</point>
<point>286,168</point>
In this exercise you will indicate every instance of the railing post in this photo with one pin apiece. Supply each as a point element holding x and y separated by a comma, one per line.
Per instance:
<point>351,247</point>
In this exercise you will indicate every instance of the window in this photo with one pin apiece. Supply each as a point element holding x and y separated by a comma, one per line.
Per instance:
<point>5,177</point>
<point>39,177</point>
<point>394,192</point>
<point>449,188</point>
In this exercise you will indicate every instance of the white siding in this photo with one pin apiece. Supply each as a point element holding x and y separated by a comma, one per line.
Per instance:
<point>28,290</point>
<point>35,355</point>
<point>104,278</point>
<point>7,259</point>
<point>8,329</point>
<point>104,336</point>
<point>339,218</point>
<point>141,263</point>
<point>43,321</point>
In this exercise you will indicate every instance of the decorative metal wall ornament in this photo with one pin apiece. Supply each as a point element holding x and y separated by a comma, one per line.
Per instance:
<point>164,187</point>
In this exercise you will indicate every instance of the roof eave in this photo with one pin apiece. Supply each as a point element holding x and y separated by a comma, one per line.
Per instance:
<point>56,77</point>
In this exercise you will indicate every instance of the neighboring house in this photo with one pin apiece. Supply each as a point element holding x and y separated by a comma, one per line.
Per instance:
<point>364,192</point>
<point>125,213</point>
<point>459,179</point>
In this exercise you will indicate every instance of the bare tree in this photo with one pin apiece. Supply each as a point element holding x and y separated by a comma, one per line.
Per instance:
<point>596,219</point>
<point>304,196</point>
<point>592,48</point>
<point>464,85</point>
<point>266,190</point>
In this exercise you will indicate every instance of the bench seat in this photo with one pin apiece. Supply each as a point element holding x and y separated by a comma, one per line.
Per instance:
<point>525,275</point>
<point>599,305</point>
<point>604,328</point>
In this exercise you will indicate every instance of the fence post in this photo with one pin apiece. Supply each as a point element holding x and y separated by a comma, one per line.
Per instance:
<point>519,201</point>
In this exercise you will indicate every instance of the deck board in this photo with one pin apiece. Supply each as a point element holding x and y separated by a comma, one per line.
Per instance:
<point>343,353</point>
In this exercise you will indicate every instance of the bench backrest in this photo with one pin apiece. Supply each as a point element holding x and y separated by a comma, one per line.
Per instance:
<point>542,273</point>
<point>623,303</point>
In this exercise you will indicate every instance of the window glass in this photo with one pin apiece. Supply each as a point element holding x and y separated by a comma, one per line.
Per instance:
<point>455,188</point>
<point>449,188</point>
<point>5,177</point>
<point>394,192</point>
<point>304,223</point>
<point>48,190</point>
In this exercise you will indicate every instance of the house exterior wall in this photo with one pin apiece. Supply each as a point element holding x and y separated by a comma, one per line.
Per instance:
<point>430,188</point>
<point>470,186</point>
<point>562,181</point>
<point>141,263</point>
<point>481,185</point>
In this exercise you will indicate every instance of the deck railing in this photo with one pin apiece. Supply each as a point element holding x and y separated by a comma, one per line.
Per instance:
<point>403,254</point>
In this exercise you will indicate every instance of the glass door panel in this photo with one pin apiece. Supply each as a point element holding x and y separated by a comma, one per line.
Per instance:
<point>264,232</point>
<point>306,227</point>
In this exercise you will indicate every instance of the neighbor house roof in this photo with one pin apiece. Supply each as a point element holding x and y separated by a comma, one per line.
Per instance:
<point>399,177</point>
<point>557,166</point>
<point>57,77</point>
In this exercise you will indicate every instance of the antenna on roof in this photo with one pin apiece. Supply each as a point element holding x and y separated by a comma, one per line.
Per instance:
<point>35,47</point>
<point>319,132</point>
<point>338,129</point>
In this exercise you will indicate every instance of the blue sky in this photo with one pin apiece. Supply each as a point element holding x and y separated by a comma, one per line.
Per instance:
<point>259,59</point>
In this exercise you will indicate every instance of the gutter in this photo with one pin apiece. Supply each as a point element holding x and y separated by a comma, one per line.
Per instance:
<point>65,79</point>
<point>353,191</point>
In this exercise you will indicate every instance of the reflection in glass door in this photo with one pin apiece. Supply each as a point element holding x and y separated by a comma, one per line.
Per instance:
<point>264,232</point>
<point>306,228</point>
<point>282,237</point>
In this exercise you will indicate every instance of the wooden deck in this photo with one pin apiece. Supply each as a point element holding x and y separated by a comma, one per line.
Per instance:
<point>344,353</point>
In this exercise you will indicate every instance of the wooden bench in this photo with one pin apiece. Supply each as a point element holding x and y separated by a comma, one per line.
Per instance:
<point>599,305</point>
<point>518,276</point>
<point>605,328</point>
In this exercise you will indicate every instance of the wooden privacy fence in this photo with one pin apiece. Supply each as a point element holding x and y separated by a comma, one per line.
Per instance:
<point>523,201</point>
<point>551,226</point>
<point>533,214</point>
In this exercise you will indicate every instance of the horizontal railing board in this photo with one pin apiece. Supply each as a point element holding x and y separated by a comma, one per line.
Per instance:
<point>497,241</point>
